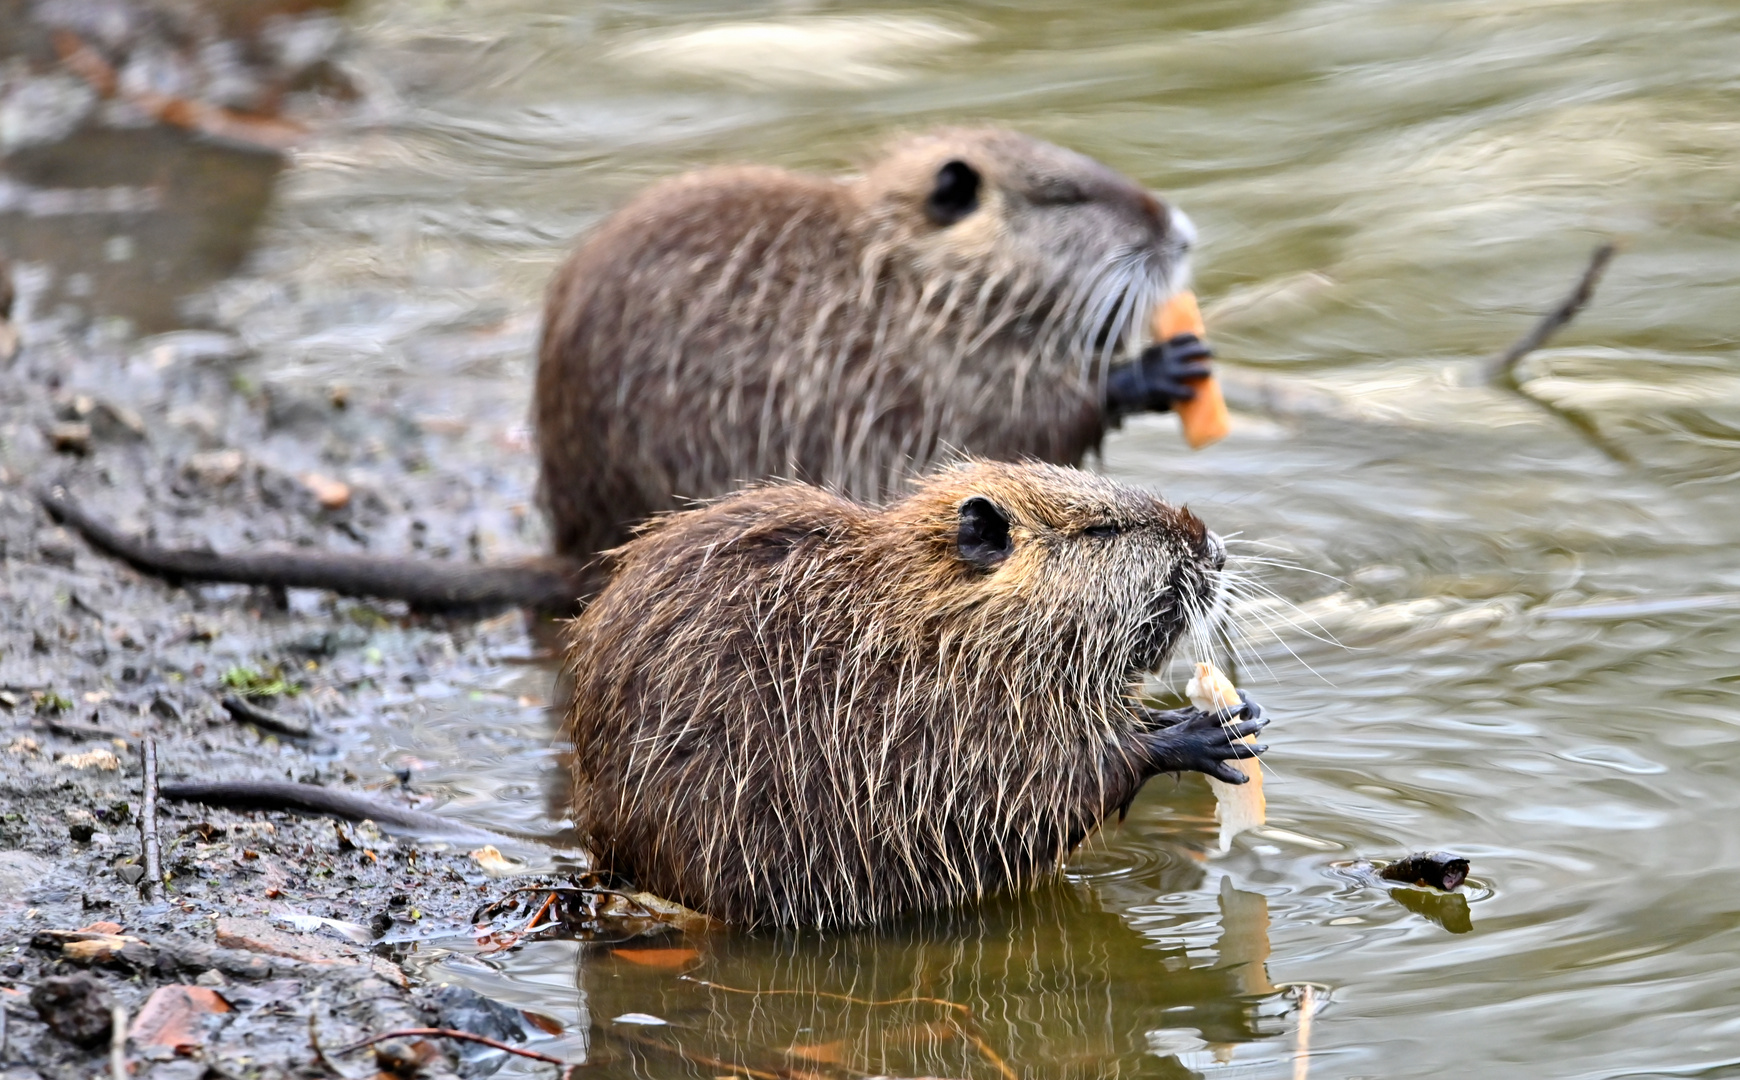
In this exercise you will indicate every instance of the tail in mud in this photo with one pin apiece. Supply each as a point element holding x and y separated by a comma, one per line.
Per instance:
<point>553,585</point>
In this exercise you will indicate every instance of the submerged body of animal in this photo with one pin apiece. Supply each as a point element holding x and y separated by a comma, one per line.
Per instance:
<point>789,708</point>
<point>974,290</point>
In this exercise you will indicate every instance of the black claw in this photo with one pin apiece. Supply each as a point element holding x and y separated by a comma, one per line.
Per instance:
<point>1226,774</point>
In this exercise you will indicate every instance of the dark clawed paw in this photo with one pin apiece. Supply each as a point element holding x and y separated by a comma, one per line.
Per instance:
<point>1207,742</point>
<point>1170,367</point>
<point>1165,373</point>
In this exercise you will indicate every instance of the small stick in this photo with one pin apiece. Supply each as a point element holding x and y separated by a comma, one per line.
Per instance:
<point>1502,368</point>
<point>247,712</point>
<point>118,1043</point>
<point>314,1036</point>
<point>449,1033</point>
<point>153,886</point>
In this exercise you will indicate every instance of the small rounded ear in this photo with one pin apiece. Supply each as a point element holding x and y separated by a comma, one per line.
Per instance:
<point>955,195</point>
<point>983,537</point>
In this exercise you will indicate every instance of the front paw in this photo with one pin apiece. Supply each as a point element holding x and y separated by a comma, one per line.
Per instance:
<point>1207,742</point>
<point>1161,376</point>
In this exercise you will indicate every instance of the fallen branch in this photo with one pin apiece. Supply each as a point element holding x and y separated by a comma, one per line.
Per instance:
<point>1501,369</point>
<point>450,1033</point>
<point>327,802</point>
<point>153,884</point>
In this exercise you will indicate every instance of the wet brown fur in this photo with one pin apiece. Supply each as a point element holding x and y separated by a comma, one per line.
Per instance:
<point>793,709</point>
<point>739,324</point>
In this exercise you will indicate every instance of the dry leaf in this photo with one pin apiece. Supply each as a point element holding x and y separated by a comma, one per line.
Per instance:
<point>171,1016</point>
<point>493,861</point>
<point>659,958</point>
<point>96,948</point>
<point>330,493</point>
<point>94,759</point>
<point>549,1025</point>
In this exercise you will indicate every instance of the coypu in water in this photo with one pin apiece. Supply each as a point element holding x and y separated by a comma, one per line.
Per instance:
<point>973,291</point>
<point>789,708</point>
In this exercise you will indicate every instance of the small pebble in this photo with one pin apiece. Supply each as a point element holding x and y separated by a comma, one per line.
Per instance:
<point>70,437</point>
<point>329,493</point>
<point>214,468</point>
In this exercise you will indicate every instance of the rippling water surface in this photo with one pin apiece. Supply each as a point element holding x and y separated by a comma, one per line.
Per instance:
<point>1515,633</point>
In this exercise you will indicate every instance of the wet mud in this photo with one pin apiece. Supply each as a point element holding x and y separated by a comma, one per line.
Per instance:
<point>276,938</point>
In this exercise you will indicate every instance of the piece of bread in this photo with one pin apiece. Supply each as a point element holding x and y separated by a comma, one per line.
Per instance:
<point>1237,806</point>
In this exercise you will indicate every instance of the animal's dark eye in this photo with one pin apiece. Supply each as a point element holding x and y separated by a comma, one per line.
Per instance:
<point>1101,530</point>
<point>955,195</point>
<point>983,537</point>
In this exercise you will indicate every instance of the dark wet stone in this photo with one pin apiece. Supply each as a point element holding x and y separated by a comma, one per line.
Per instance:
<point>467,1010</point>
<point>76,1008</point>
<point>1438,869</point>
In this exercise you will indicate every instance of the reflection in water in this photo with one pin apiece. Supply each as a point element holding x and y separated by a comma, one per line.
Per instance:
<point>1044,986</point>
<point>1531,659</point>
<point>133,220</point>
<point>1449,910</point>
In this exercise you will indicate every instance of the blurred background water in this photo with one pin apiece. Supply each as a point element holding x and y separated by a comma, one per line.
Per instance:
<point>1514,630</point>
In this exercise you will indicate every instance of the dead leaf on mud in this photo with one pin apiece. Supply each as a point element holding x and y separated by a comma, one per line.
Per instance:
<point>171,1016</point>
<point>494,862</point>
<point>659,958</point>
<point>330,493</point>
<point>96,948</point>
<point>93,759</point>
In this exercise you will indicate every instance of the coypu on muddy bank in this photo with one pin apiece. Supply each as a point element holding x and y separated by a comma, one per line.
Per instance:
<point>970,292</point>
<point>792,709</point>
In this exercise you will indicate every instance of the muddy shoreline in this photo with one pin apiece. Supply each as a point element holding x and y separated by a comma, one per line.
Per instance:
<point>95,658</point>
<point>179,433</point>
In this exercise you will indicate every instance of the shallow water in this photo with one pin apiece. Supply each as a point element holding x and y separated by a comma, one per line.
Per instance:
<point>1515,634</point>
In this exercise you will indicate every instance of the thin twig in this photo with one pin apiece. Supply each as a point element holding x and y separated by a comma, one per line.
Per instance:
<point>1501,369</point>
<point>320,1058</point>
<point>118,1043</point>
<point>450,1033</point>
<point>153,885</point>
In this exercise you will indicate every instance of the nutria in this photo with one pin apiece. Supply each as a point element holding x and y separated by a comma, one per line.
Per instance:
<point>972,291</point>
<point>789,708</point>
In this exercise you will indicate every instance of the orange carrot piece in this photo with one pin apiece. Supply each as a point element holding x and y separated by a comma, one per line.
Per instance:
<point>1204,416</point>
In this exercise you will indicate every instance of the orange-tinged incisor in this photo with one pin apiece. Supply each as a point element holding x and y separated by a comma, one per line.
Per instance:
<point>1204,416</point>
